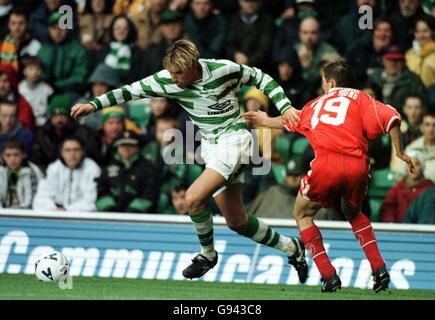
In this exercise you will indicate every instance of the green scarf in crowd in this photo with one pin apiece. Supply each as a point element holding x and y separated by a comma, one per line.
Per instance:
<point>119,57</point>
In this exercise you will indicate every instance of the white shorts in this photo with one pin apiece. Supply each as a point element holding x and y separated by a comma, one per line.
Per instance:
<point>228,156</point>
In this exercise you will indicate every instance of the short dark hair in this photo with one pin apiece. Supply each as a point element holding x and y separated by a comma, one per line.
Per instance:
<point>429,113</point>
<point>72,138</point>
<point>19,12</point>
<point>14,144</point>
<point>417,96</point>
<point>382,20</point>
<point>180,187</point>
<point>341,72</point>
<point>428,20</point>
<point>31,61</point>
<point>9,102</point>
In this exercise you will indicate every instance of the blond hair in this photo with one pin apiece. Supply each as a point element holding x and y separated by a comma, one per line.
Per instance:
<point>181,56</point>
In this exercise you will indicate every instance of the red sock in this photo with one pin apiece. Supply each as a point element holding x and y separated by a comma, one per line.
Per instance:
<point>313,241</point>
<point>362,228</point>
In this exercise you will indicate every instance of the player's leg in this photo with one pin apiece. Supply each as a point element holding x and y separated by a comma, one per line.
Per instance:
<point>362,228</point>
<point>304,212</point>
<point>230,204</point>
<point>196,197</point>
<point>354,191</point>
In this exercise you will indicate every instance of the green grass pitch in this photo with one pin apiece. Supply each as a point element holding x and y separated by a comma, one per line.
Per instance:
<point>19,286</point>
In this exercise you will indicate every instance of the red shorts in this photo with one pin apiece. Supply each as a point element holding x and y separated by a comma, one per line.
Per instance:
<point>335,175</point>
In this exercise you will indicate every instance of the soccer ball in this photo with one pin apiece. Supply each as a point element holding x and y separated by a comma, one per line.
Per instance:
<point>51,266</point>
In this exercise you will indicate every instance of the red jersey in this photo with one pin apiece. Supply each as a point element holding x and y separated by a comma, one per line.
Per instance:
<point>343,120</point>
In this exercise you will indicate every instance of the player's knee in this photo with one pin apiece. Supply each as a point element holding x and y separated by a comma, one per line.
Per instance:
<point>237,226</point>
<point>193,201</point>
<point>299,215</point>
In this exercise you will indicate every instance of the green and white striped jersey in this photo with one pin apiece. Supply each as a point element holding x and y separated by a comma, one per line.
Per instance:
<point>211,102</point>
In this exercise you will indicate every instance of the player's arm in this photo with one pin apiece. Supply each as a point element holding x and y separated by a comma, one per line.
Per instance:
<point>145,88</point>
<point>396,138</point>
<point>380,118</point>
<point>271,88</point>
<point>261,118</point>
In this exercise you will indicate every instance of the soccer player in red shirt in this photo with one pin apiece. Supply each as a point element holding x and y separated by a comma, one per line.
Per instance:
<point>338,125</point>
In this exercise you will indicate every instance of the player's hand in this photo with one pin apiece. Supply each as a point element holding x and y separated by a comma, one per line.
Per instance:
<point>291,115</point>
<point>82,109</point>
<point>258,118</point>
<point>409,161</point>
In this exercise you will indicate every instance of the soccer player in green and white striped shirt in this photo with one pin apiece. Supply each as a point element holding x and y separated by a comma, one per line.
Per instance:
<point>206,89</point>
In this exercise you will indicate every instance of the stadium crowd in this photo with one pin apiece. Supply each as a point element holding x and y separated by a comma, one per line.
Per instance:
<point>112,160</point>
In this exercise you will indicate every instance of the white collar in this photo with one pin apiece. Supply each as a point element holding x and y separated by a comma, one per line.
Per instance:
<point>206,74</point>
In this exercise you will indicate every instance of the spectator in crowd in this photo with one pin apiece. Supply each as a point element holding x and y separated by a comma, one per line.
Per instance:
<point>65,60</point>
<point>255,100</point>
<point>171,27</point>
<point>129,7</point>
<point>70,184</point>
<point>9,91</point>
<point>206,29</point>
<point>290,77</point>
<point>19,178</point>
<point>18,42</point>
<point>287,33</point>
<point>420,59</point>
<point>6,7</point>
<point>147,23</point>
<point>39,20</point>
<point>348,29</point>
<point>34,90</point>
<point>278,201</point>
<point>404,21</point>
<point>102,80</point>
<point>421,211</point>
<point>366,55</point>
<point>113,123</point>
<point>122,54</point>
<point>95,24</point>
<point>178,201</point>
<point>410,126</point>
<point>251,35</point>
<point>413,110</point>
<point>311,50</point>
<point>160,107</point>
<point>405,192</point>
<point>129,183</point>
<point>172,174</point>
<point>11,128</point>
<point>59,126</point>
<point>153,150</point>
<point>425,145</point>
<point>395,81</point>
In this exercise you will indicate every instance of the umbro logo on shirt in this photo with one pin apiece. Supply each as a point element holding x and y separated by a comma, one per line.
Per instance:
<point>220,106</point>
